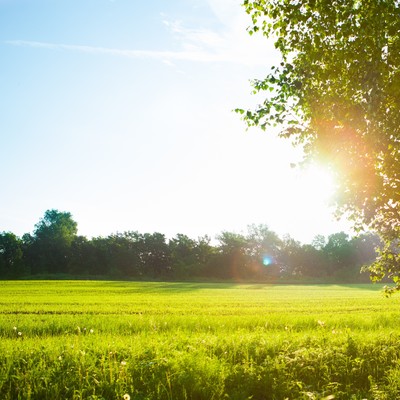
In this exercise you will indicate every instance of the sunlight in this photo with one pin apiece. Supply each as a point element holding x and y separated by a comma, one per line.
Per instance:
<point>304,203</point>
<point>319,183</point>
<point>314,195</point>
<point>315,187</point>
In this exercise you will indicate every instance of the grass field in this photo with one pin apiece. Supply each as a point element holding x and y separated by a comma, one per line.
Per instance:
<point>120,340</point>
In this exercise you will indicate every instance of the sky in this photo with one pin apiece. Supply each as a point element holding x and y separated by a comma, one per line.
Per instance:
<point>121,113</point>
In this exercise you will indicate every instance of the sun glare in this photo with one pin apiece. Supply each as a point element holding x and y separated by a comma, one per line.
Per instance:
<point>315,189</point>
<point>303,207</point>
<point>319,183</point>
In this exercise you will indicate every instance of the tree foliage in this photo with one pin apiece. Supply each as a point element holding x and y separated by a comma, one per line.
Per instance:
<point>52,240</point>
<point>11,255</point>
<point>336,91</point>
<point>259,254</point>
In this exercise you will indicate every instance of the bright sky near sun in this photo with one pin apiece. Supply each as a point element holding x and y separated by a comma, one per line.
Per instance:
<point>120,112</point>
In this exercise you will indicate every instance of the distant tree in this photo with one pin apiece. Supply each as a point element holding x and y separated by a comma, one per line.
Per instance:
<point>132,250</point>
<point>312,261</point>
<point>263,242</point>
<point>30,255</point>
<point>290,256</point>
<point>118,254</point>
<point>55,247</point>
<point>50,246</point>
<point>336,91</point>
<point>204,250</point>
<point>265,249</point>
<point>11,256</point>
<point>100,260</point>
<point>81,260</point>
<point>232,259</point>
<point>365,246</point>
<point>339,252</point>
<point>319,242</point>
<point>184,256</point>
<point>155,255</point>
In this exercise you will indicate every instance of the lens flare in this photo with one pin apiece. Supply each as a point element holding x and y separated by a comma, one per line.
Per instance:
<point>267,260</point>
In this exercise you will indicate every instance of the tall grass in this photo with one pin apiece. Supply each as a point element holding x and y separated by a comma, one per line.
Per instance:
<point>104,340</point>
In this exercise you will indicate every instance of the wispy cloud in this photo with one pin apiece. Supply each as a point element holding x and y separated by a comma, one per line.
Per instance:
<point>229,43</point>
<point>188,54</point>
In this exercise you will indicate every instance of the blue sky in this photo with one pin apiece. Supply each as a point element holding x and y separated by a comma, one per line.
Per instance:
<point>120,112</point>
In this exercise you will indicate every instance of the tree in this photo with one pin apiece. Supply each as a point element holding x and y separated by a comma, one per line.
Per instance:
<point>101,260</point>
<point>312,262</point>
<point>262,241</point>
<point>82,259</point>
<point>233,260</point>
<point>339,252</point>
<point>264,248</point>
<point>121,253</point>
<point>319,242</point>
<point>184,256</point>
<point>336,91</point>
<point>11,256</point>
<point>364,247</point>
<point>155,255</point>
<point>290,256</point>
<point>52,241</point>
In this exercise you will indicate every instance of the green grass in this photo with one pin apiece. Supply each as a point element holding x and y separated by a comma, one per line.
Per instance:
<point>104,340</point>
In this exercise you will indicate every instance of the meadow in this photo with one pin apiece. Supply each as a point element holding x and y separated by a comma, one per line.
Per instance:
<point>151,340</point>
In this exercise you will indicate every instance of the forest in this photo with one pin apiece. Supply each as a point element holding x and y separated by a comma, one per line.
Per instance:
<point>55,249</point>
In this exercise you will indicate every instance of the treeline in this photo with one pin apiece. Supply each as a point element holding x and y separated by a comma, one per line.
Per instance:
<point>55,248</point>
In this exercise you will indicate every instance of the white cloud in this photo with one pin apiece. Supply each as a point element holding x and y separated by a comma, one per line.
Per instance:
<point>229,12</point>
<point>231,41</point>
